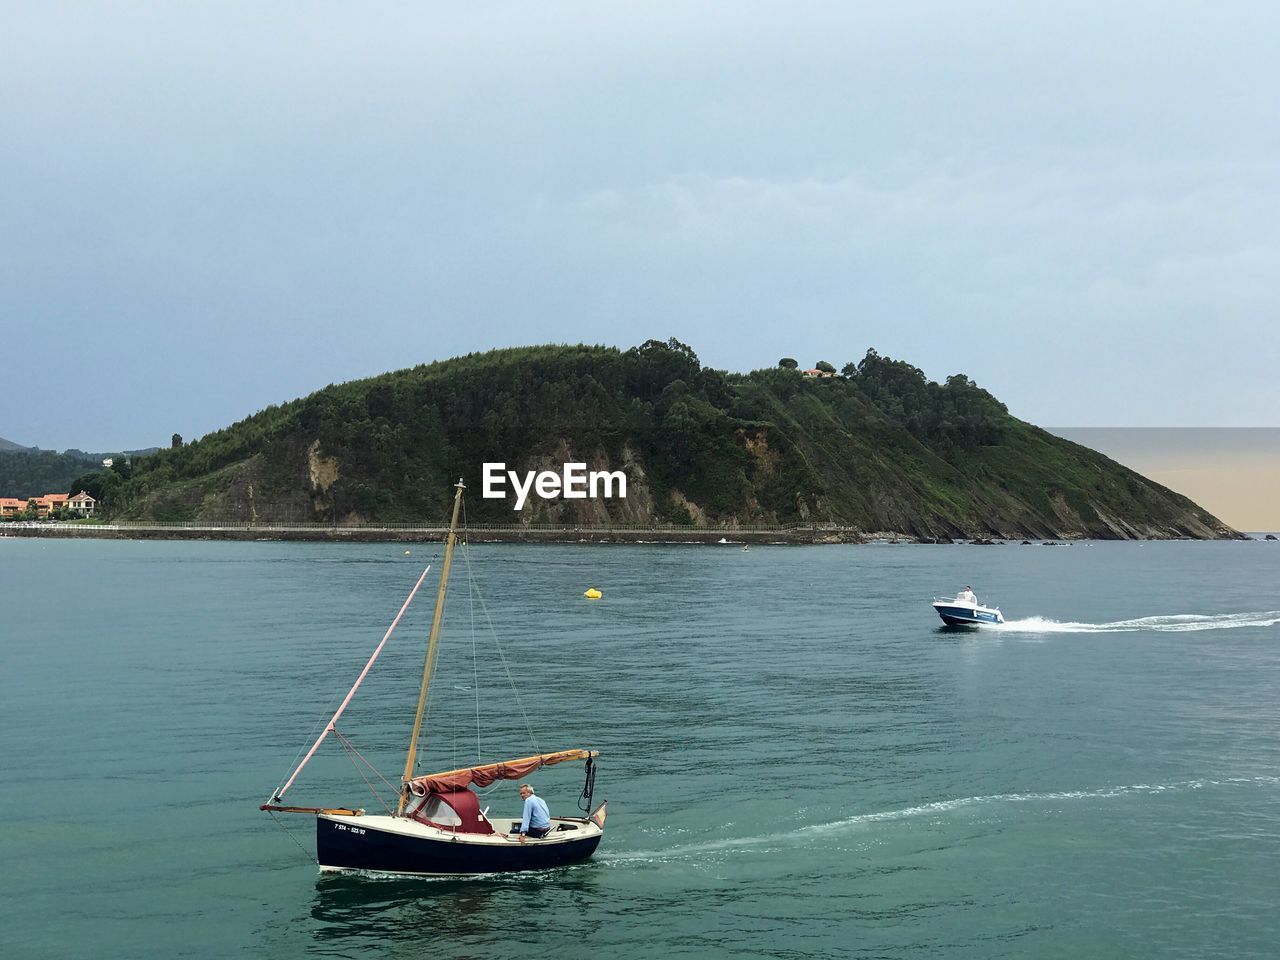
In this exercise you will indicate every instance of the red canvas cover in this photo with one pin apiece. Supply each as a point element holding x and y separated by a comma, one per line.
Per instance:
<point>465,804</point>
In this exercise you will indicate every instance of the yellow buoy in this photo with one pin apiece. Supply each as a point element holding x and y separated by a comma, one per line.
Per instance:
<point>593,594</point>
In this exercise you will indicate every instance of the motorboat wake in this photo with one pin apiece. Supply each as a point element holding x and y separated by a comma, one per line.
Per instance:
<point>1168,623</point>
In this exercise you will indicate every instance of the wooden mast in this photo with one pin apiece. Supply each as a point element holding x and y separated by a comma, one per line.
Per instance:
<point>431,651</point>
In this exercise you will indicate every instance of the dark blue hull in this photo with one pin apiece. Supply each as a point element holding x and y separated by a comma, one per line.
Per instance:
<point>966,617</point>
<point>353,845</point>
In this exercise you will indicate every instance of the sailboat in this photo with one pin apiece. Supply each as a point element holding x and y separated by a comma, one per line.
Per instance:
<point>438,826</point>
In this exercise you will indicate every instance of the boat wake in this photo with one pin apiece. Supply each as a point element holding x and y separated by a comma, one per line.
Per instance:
<point>1176,623</point>
<point>826,831</point>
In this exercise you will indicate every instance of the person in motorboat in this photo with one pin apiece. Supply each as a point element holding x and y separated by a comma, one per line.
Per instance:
<point>536,821</point>
<point>967,596</point>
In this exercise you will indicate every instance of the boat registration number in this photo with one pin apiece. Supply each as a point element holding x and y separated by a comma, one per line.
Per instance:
<point>343,826</point>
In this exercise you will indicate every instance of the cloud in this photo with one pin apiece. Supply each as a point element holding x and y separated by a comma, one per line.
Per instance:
<point>1076,206</point>
<point>1073,268</point>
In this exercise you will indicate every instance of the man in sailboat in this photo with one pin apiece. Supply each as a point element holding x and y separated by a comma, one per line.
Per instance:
<point>537,818</point>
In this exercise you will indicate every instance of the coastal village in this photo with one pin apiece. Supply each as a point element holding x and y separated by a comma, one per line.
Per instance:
<point>48,506</point>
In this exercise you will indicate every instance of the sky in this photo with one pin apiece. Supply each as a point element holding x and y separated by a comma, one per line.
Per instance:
<point>211,208</point>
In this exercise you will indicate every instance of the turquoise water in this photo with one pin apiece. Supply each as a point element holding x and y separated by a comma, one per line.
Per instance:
<point>798,762</point>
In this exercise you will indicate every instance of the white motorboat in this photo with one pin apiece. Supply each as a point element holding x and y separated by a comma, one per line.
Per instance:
<point>962,612</point>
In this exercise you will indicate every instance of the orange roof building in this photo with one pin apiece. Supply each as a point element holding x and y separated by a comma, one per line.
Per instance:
<point>43,506</point>
<point>48,503</point>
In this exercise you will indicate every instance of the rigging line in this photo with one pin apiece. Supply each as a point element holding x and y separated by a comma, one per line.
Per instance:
<point>475,660</point>
<point>354,687</point>
<point>319,722</point>
<point>280,824</point>
<point>426,715</point>
<point>503,657</point>
<point>350,749</point>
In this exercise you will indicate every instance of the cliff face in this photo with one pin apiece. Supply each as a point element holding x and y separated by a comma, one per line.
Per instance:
<point>879,449</point>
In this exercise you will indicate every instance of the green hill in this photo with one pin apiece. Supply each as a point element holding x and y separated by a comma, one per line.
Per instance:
<point>880,448</point>
<point>30,473</point>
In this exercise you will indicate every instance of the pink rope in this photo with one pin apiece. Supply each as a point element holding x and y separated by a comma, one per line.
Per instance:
<point>351,693</point>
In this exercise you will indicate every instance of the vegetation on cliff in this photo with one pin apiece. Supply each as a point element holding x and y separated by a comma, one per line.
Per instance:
<point>877,448</point>
<point>31,473</point>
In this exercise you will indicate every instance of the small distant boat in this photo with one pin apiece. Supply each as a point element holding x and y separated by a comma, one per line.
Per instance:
<point>959,612</point>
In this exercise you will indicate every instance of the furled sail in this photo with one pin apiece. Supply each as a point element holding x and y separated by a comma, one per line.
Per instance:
<point>490,773</point>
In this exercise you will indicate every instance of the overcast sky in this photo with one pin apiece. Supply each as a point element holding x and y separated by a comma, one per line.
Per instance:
<point>210,208</point>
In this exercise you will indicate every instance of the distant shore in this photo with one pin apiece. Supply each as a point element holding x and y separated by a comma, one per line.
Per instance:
<point>500,533</point>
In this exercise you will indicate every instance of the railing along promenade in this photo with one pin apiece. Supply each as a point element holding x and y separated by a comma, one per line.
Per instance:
<point>408,530</point>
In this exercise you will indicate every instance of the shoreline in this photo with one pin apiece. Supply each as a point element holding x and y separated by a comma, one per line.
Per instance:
<point>808,535</point>
<point>433,534</point>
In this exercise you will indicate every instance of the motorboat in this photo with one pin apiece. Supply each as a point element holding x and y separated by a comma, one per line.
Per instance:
<point>962,612</point>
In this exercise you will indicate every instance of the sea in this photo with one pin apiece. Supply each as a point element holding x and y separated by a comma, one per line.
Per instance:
<point>799,760</point>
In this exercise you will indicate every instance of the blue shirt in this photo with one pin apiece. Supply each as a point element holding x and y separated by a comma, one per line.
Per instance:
<point>536,814</point>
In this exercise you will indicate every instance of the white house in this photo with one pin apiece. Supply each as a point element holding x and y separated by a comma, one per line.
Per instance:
<point>82,504</point>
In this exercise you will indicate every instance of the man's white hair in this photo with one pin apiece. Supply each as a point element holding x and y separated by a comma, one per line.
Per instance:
<point>523,785</point>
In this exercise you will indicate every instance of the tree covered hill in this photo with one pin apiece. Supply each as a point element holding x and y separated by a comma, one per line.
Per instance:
<point>28,472</point>
<point>878,448</point>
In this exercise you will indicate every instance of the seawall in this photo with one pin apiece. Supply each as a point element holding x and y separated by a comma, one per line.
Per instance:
<point>430,534</point>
